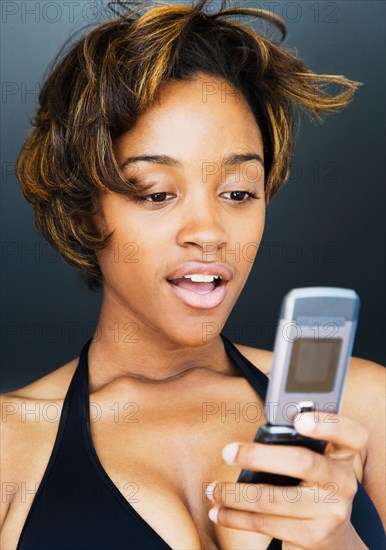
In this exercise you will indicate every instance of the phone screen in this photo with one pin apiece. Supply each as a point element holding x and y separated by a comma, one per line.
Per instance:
<point>313,365</point>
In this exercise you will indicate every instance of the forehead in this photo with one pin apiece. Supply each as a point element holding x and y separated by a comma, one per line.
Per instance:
<point>205,113</point>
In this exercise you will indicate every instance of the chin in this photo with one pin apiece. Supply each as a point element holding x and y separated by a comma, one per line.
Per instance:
<point>195,334</point>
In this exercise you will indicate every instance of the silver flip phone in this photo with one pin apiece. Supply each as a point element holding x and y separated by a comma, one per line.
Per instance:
<point>313,345</point>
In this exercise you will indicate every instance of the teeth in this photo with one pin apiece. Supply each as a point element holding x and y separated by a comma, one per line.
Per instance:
<point>202,278</point>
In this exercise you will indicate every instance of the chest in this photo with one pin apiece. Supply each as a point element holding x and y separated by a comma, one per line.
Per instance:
<point>159,450</point>
<point>162,458</point>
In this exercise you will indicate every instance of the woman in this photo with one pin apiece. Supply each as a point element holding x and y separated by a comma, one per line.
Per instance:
<point>159,141</point>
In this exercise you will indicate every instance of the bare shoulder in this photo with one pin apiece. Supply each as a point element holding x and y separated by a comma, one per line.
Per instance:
<point>364,393</point>
<point>365,387</point>
<point>365,381</point>
<point>21,409</point>
<point>359,367</point>
<point>261,358</point>
<point>364,400</point>
<point>53,385</point>
<point>27,425</point>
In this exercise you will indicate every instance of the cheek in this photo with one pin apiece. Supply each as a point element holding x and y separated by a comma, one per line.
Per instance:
<point>250,236</point>
<point>251,229</point>
<point>124,268</point>
<point>132,254</point>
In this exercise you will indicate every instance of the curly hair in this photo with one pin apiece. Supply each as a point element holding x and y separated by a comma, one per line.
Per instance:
<point>96,91</point>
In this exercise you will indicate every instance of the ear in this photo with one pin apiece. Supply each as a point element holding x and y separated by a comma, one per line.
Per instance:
<point>92,220</point>
<point>88,223</point>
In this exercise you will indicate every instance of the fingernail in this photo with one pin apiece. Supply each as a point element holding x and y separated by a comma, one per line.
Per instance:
<point>306,423</point>
<point>213,514</point>
<point>210,490</point>
<point>229,452</point>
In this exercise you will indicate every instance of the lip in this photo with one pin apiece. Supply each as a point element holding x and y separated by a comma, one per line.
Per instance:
<point>194,300</point>
<point>198,268</point>
<point>201,301</point>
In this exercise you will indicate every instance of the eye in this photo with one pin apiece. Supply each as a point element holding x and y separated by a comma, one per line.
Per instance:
<point>154,198</point>
<point>241,196</point>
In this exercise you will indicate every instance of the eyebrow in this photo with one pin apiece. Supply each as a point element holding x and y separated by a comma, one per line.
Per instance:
<point>229,160</point>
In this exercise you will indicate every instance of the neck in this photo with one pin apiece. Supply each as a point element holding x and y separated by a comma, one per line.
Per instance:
<point>142,353</point>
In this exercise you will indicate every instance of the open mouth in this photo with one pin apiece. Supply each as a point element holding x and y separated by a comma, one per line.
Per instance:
<point>198,284</point>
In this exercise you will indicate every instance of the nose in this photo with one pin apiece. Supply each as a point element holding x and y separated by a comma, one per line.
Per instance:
<point>202,225</point>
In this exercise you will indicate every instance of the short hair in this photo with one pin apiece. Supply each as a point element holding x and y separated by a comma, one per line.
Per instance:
<point>96,91</point>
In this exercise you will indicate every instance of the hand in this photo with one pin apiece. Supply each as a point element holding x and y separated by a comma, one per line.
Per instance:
<point>315,514</point>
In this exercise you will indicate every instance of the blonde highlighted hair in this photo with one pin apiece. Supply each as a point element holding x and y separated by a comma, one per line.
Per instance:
<point>99,88</point>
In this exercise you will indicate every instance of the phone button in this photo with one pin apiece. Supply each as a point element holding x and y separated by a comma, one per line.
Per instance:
<point>306,406</point>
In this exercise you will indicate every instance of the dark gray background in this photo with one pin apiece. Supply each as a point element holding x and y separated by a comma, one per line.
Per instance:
<point>326,227</point>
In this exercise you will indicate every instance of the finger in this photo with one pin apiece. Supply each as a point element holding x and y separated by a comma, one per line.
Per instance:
<point>297,462</point>
<point>299,502</point>
<point>345,433</point>
<point>282,528</point>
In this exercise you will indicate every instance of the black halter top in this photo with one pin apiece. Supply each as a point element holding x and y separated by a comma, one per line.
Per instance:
<point>77,506</point>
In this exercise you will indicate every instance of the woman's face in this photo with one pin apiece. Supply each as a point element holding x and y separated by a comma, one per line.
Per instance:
<point>198,218</point>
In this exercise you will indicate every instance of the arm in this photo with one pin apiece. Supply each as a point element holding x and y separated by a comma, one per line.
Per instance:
<point>309,522</point>
<point>364,400</point>
<point>7,432</point>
